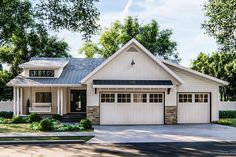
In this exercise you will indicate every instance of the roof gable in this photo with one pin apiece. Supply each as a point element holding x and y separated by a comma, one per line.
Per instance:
<point>139,46</point>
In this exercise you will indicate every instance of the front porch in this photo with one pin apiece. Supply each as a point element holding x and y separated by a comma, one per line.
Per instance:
<point>65,101</point>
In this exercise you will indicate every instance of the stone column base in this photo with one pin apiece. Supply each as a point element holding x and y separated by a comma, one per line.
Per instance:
<point>170,114</point>
<point>93,114</point>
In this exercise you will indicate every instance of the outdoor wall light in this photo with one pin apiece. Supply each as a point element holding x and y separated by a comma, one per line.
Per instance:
<point>132,62</point>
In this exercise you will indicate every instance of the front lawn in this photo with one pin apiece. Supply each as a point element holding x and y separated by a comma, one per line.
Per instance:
<point>7,128</point>
<point>227,121</point>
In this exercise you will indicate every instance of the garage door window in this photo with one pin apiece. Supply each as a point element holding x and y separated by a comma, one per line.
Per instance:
<point>123,98</point>
<point>185,98</point>
<point>155,98</point>
<point>107,98</point>
<point>140,98</point>
<point>201,98</point>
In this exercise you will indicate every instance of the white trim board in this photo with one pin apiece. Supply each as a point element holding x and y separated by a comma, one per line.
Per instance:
<point>123,48</point>
<point>196,72</point>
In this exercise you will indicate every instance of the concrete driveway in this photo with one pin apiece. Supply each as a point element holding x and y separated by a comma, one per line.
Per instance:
<point>163,133</point>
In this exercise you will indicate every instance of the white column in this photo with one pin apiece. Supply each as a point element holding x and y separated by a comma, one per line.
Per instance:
<point>58,100</point>
<point>17,101</point>
<point>61,101</point>
<point>21,101</point>
<point>14,100</point>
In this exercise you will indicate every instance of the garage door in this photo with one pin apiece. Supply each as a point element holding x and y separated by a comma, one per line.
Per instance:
<point>193,107</point>
<point>131,108</point>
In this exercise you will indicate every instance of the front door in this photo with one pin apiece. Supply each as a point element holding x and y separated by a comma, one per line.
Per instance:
<point>78,100</point>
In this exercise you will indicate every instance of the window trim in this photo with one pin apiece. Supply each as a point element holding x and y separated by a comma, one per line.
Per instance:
<point>105,97</point>
<point>142,98</point>
<point>43,97</point>
<point>187,98</point>
<point>117,98</point>
<point>30,70</point>
<point>158,98</point>
<point>204,94</point>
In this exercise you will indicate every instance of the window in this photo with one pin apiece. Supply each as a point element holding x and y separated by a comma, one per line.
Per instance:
<point>155,98</point>
<point>43,97</point>
<point>126,98</point>
<point>41,73</point>
<point>201,98</point>
<point>107,97</point>
<point>183,98</point>
<point>139,98</point>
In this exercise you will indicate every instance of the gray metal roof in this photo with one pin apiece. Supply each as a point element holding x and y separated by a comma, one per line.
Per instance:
<point>132,82</point>
<point>73,72</point>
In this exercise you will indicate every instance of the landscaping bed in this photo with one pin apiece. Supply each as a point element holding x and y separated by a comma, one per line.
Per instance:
<point>227,118</point>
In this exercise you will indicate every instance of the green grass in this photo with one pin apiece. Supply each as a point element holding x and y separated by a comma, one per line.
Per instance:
<point>233,120</point>
<point>15,128</point>
<point>55,138</point>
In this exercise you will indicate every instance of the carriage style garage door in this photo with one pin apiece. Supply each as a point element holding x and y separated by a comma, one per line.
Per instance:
<point>193,107</point>
<point>131,108</point>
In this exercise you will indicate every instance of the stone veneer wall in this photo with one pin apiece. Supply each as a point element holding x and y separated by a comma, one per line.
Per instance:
<point>170,114</point>
<point>93,114</point>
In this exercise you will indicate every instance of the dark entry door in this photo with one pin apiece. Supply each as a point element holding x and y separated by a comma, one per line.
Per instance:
<point>78,100</point>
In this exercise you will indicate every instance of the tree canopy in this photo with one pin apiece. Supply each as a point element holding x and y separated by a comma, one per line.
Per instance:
<point>221,23</point>
<point>221,65</point>
<point>111,39</point>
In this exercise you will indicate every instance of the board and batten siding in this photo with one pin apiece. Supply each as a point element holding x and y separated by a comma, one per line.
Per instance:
<point>194,83</point>
<point>120,68</point>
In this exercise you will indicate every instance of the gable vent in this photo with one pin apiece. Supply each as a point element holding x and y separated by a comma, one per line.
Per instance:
<point>132,49</point>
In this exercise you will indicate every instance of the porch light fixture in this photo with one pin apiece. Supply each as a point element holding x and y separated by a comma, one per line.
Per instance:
<point>132,62</point>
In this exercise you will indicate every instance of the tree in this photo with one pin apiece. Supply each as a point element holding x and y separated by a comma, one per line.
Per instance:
<point>220,23</point>
<point>221,65</point>
<point>6,92</point>
<point>111,39</point>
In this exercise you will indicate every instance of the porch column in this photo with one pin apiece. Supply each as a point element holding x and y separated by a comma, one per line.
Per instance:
<point>58,100</point>
<point>17,100</point>
<point>21,101</point>
<point>14,101</point>
<point>62,101</point>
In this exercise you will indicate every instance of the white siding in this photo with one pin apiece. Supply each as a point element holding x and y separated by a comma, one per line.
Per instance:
<point>120,68</point>
<point>194,83</point>
<point>227,105</point>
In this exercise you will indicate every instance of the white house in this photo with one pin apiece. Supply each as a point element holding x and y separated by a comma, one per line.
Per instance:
<point>130,87</point>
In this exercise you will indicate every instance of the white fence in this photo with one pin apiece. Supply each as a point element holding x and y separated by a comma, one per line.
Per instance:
<point>6,105</point>
<point>227,105</point>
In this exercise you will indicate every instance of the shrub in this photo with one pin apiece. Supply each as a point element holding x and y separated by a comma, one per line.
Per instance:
<point>227,114</point>
<point>86,124</point>
<point>34,117</point>
<point>35,126</point>
<point>6,114</point>
<point>224,122</point>
<point>46,125</point>
<point>5,120</point>
<point>57,117</point>
<point>18,119</point>
<point>69,127</point>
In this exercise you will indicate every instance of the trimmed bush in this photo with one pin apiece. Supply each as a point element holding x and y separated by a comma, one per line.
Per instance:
<point>57,117</point>
<point>18,119</point>
<point>6,114</point>
<point>35,126</point>
<point>34,117</point>
<point>46,125</point>
<point>224,122</point>
<point>227,114</point>
<point>85,123</point>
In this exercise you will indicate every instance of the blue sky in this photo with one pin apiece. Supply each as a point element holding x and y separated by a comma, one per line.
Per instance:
<point>184,17</point>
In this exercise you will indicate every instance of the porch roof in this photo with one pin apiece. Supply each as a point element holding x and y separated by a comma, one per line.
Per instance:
<point>73,73</point>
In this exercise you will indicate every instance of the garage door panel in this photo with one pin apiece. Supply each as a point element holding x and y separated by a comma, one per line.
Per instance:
<point>131,113</point>
<point>193,112</point>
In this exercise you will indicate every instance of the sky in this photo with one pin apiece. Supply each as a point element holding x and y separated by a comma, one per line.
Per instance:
<point>184,17</point>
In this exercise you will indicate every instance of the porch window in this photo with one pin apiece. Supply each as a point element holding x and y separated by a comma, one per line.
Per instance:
<point>201,98</point>
<point>41,73</point>
<point>107,98</point>
<point>123,98</point>
<point>185,98</point>
<point>140,98</point>
<point>43,97</point>
<point>155,98</point>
